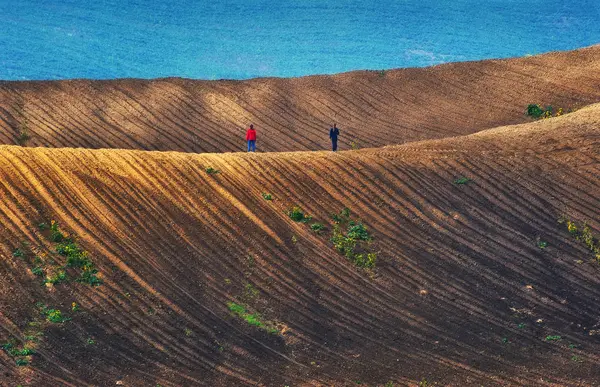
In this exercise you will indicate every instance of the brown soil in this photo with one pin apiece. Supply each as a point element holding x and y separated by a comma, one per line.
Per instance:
<point>462,294</point>
<point>371,109</point>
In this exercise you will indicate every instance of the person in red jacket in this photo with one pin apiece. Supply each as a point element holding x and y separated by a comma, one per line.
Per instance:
<point>251,138</point>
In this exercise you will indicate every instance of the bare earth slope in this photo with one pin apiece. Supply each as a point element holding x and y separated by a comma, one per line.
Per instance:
<point>372,108</point>
<point>462,295</point>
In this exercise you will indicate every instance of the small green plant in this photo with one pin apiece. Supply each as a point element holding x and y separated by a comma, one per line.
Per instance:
<point>23,136</point>
<point>297,215</point>
<point>22,362</point>
<point>521,325</point>
<point>188,332</point>
<point>317,227</point>
<point>38,271</point>
<point>462,181</point>
<point>267,196</point>
<point>55,234</point>
<point>212,171</point>
<point>576,359</point>
<point>55,316</point>
<point>18,253</point>
<point>354,145</point>
<point>423,383</point>
<point>56,277</point>
<point>542,245</point>
<point>91,341</point>
<point>43,226</point>
<point>553,338</point>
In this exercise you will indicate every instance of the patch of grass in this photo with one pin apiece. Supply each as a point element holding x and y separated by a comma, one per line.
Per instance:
<point>253,319</point>
<point>462,181</point>
<point>553,338</point>
<point>212,171</point>
<point>267,196</point>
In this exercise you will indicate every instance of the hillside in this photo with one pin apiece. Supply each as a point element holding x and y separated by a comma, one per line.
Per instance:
<point>464,292</point>
<point>372,108</point>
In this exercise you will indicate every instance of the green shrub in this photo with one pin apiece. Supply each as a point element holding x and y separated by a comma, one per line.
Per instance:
<point>55,234</point>
<point>535,110</point>
<point>21,362</point>
<point>57,277</point>
<point>297,215</point>
<point>212,171</point>
<point>18,253</point>
<point>267,196</point>
<point>55,316</point>
<point>38,271</point>
<point>553,338</point>
<point>317,227</point>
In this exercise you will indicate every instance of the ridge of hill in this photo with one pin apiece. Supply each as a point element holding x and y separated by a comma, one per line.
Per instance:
<point>464,292</point>
<point>372,108</point>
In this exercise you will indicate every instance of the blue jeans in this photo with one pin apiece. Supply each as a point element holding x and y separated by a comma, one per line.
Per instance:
<point>251,145</point>
<point>334,144</point>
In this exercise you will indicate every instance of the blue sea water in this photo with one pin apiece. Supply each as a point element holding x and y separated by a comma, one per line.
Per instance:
<point>240,39</point>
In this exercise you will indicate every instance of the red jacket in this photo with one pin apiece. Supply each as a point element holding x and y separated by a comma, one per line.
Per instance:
<point>251,135</point>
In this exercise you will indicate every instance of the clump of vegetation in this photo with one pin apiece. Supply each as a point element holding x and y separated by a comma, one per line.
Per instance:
<point>55,316</point>
<point>253,319</point>
<point>267,196</point>
<point>352,239</point>
<point>38,271</point>
<point>18,253</point>
<point>212,171</point>
<point>542,244</point>
<point>297,215</point>
<point>76,257</point>
<point>354,145</point>
<point>583,234</point>
<point>462,181</point>
<point>56,277</point>
<point>317,227</point>
<point>553,338</point>
<point>537,111</point>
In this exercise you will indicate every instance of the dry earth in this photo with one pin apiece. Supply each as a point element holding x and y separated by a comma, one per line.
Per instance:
<point>462,294</point>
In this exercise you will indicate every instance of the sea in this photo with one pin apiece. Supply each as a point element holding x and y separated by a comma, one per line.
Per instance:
<point>240,39</point>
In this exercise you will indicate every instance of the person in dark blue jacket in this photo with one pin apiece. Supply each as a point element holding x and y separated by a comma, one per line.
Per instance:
<point>333,135</point>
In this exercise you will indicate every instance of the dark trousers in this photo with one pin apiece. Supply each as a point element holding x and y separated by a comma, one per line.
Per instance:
<point>334,144</point>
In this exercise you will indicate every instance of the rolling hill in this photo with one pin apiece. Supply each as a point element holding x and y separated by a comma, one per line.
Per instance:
<point>479,278</point>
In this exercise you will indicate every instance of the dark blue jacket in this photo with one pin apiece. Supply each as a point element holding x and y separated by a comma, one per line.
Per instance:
<point>334,133</point>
